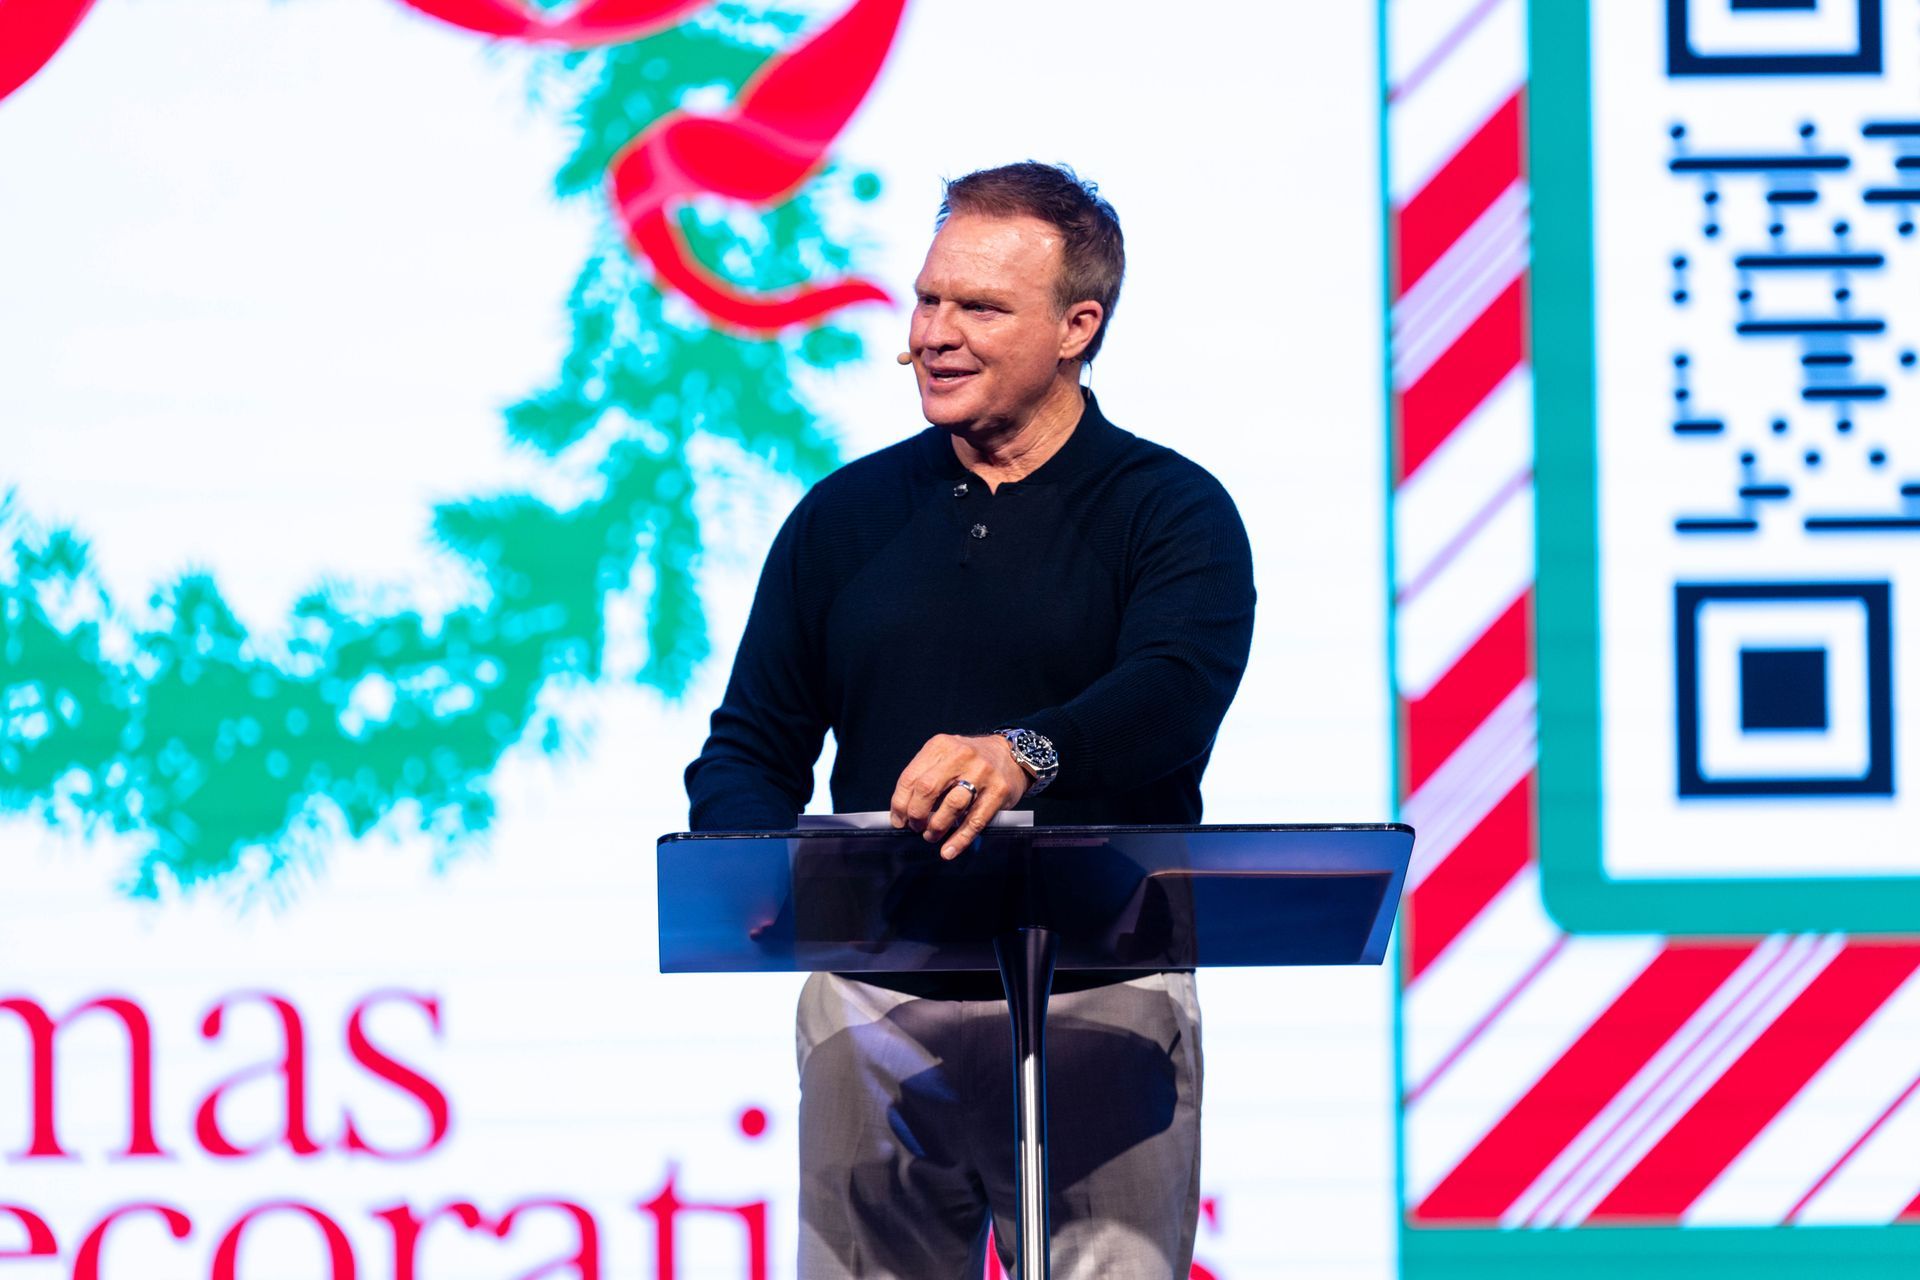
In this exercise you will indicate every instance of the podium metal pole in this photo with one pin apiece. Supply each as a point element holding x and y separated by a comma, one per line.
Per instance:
<point>1026,959</point>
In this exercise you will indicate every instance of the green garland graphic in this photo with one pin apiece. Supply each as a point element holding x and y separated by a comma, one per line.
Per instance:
<point>240,759</point>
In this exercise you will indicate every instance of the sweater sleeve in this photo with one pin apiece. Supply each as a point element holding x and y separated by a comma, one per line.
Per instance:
<point>755,772</point>
<point>1183,643</point>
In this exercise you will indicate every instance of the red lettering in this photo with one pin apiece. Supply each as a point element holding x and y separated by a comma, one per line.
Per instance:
<point>40,1241</point>
<point>291,1068</point>
<point>339,1250</point>
<point>40,1034</point>
<point>384,1066</point>
<point>667,1206</point>
<point>86,1263</point>
<point>406,1228</point>
<point>1210,1218</point>
<point>585,1260</point>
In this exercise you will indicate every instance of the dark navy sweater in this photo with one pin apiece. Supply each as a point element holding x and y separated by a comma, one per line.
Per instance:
<point>1106,600</point>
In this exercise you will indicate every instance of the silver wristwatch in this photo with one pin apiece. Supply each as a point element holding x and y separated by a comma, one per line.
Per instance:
<point>1033,752</point>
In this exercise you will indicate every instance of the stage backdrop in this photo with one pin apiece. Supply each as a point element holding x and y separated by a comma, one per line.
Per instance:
<point>397,398</point>
<point>1657,508</point>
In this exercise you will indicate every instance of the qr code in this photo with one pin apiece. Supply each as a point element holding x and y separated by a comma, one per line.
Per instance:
<point>1757,281</point>
<point>1795,376</point>
<point>1774,37</point>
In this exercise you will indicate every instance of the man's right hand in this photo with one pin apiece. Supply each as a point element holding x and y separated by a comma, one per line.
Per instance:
<point>929,798</point>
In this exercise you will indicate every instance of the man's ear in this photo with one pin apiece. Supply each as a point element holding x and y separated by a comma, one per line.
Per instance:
<point>1083,322</point>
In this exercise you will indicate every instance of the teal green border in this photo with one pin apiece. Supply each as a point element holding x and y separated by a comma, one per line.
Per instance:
<point>1663,1253</point>
<point>1579,894</point>
<point>1397,762</point>
<point>1567,602</point>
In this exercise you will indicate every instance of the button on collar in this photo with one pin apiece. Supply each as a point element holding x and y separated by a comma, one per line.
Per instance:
<point>960,490</point>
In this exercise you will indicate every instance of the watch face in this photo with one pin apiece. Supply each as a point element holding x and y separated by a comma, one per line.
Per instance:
<point>1035,751</point>
<point>1042,752</point>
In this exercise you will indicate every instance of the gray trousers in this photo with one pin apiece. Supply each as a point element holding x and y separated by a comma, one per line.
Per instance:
<point>906,1131</point>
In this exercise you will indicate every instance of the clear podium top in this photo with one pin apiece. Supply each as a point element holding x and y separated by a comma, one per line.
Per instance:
<point>1158,897</point>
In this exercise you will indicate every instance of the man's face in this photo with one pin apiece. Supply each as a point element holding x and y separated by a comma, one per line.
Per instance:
<point>986,335</point>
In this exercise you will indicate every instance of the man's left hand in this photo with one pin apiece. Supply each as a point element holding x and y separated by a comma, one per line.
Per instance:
<point>929,798</point>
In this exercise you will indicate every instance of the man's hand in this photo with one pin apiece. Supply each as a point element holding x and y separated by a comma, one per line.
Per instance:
<point>930,799</point>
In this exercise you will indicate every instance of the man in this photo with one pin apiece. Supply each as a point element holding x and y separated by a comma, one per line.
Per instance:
<point>1022,606</point>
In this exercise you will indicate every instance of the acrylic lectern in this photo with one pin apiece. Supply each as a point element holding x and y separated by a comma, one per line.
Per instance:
<point>1026,901</point>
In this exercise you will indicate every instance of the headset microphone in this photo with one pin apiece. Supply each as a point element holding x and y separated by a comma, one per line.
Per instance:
<point>905,357</point>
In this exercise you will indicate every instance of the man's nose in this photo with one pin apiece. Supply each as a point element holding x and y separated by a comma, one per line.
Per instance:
<point>939,331</point>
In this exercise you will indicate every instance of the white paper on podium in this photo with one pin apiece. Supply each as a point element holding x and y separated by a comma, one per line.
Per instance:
<point>878,818</point>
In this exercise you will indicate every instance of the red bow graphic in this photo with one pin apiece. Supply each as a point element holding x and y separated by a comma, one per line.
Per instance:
<point>589,22</point>
<point>771,139</point>
<point>31,31</point>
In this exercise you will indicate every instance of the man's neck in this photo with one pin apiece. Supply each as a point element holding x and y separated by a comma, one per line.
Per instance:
<point>1015,451</point>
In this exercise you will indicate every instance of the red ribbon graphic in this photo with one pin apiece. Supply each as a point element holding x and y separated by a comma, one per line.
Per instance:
<point>589,22</point>
<point>772,138</point>
<point>31,31</point>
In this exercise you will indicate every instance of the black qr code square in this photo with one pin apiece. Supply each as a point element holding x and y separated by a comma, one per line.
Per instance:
<point>1784,688</point>
<point>1774,37</point>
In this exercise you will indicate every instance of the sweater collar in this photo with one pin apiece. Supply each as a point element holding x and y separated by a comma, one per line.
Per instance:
<point>1091,438</point>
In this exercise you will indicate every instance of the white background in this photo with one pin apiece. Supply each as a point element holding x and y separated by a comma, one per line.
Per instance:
<point>268,273</point>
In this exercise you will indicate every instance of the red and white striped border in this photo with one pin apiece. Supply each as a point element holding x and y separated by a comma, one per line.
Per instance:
<point>1553,1080</point>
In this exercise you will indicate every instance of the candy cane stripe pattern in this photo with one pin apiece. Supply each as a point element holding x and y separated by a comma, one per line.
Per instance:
<point>1555,1080</point>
